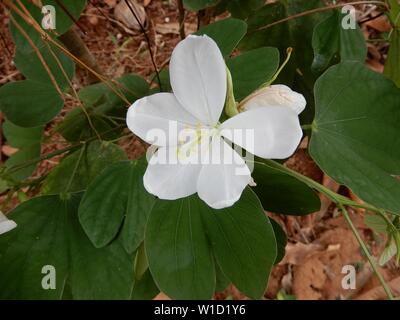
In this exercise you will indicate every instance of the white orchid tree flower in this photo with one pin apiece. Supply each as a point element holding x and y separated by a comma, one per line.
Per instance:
<point>204,160</point>
<point>6,224</point>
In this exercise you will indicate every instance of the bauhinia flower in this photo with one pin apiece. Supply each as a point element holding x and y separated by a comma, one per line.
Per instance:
<point>196,154</point>
<point>6,224</point>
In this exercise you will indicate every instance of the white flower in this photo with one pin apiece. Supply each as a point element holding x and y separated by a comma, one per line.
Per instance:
<point>199,83</point>
<point>6,224</point>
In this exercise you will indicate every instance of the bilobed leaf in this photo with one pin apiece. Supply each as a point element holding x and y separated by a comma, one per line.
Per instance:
<point>178,252</point>
<point>49,234</point>
<point>30,103</point>
<point>243,242</point>
<point>182,236</point>
<point>117,197</point>
<point>355,132</point>
<point>251,69</point>
<point>392,65</point>
<point>82,166</point>
<point>196,5</point>
<point>331,41</point>
<point>226,33</point>
<point>281,193</point>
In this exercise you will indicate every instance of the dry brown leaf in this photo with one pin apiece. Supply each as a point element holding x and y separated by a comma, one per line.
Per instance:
<point>380,24</point>
<point>173,28</point>
<point>146,2</point>
<point>162,296</point>
<point>123,14</point>
<point>111,3</point>
<point>297,253</point>
<point>375,65</point>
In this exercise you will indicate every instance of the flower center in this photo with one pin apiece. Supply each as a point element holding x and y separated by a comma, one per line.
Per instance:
<point>193,142</point>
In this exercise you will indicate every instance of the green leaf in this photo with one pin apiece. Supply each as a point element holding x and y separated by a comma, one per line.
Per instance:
<point>177,249</point>
<point>42,105</point>
<point>281,240</point>
<point>145,288</point>
<point>19,137</point>
<point>82,166</point>
<point>243,242</point>
<point>281,193</point>
<point>226,33</point>
<point>394,12</point>
<point>28,141</point>
<point>49,234</point>
<point>76,126</point>
<point>392,65</point>
<point>389,252</point>
<point>117,197</point>
<point>196,5</point>
<point>331,41</point>
<point>251,69</point>
<point>355,132</point>
<point>222,282</point>
<point>32,68</point>
<point>240,8</point>
<point>101,103</point>
<point>376,223</point>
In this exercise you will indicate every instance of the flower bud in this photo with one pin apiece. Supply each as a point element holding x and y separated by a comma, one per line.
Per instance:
<point>275,95</point>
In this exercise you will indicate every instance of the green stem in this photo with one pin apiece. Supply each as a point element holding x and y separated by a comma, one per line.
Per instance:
<point>366,252</point>
<point>289,54</point>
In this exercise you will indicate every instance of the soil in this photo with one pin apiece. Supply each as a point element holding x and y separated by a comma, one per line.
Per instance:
<point>319,244</point>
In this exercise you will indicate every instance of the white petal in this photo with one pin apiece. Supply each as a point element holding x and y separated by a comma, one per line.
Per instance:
<point>157,119</point>
<point>222,182</point>
<point>198,78</point>
<point>276,95</point>
<point>172,173</point>
<point>269,132</point>
<point>6,224</point>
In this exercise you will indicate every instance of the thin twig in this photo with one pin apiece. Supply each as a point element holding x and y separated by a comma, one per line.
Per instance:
<point>147,41</point>
<point>181,19</point>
